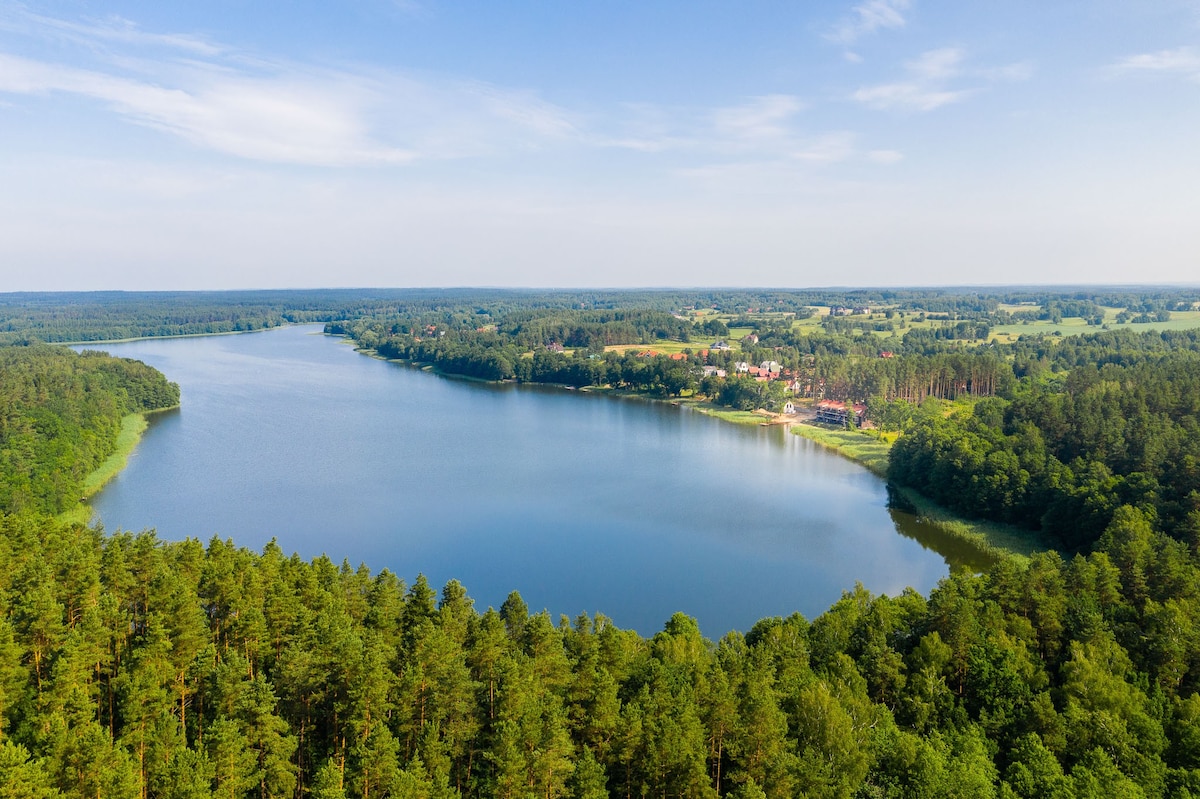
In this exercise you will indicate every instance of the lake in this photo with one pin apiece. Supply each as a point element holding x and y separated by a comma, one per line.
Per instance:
<point>581,501</point>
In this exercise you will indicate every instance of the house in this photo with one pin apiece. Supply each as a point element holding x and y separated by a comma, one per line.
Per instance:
<point>771,367</point>
<point>554,346</point>
<point>678,356</point>
<point>712,371</point>
<point>834,412</point>
<point>741,366</point>
<point>750,339</point>
<point>720,345</point>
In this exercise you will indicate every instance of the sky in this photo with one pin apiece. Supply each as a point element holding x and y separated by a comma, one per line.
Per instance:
<point>572,143</point>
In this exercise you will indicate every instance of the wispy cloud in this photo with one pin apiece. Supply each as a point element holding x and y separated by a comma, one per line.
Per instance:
<point>802,162</point>
<point>930,81</point>
<point>760,119</point>
<point>885,156</point>
<point>276,119</point>
<point>767,137</point>
<point>247,106</point>
<point>912,96</point>
<point>1015,72</point>
<point>110,30</point>
<point>924,88</point>
<point>527,111</point>
<point>937,65</point>
<point>868,17</point>
<point>1180,61</point>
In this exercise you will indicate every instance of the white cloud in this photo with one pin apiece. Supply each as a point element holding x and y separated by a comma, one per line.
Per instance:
<point>803,165</point>
<point>929,78</point>
<point>759,127</point>
<point>1015,72</point>
<point>527,111</point>
<point>761,118</point>
<point>885,156</point>
<point>251,107</point>
<point>112,30</point>
<point>868,17</point>
<point>936,65</point>
<point>1180,61</point>
<point>273,119</point>
<point>915,96</point>
<point>758,146</point>
<point>830,148</point>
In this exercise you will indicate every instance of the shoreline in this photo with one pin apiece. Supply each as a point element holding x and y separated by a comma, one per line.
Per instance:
<point>177,336</point>
<point>993,540</point>
<point>996,539</point>
<point>133,425</point>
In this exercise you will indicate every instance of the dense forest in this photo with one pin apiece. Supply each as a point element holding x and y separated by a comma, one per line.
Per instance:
<point>130,667</point>
<point>60,413</point>
<point>114,315</point>
<point>1115,421</point>
<point>133,667</point>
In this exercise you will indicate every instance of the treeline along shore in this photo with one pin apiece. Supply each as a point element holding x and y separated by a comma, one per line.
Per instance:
<point>134,667</point>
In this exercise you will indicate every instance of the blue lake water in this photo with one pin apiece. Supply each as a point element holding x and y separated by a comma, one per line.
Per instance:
<point>582,502</point>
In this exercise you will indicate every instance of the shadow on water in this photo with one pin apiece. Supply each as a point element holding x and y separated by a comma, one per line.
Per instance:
<point>157,418</point>
<point>958,552</point>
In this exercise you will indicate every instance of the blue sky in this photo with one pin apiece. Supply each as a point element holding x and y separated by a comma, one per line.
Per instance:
<point>231,144</point>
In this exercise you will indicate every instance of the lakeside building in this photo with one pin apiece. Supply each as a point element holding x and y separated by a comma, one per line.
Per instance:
<point>834,412</point>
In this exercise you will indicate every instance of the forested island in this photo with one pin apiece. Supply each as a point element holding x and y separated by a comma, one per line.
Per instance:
<point>131,666</point>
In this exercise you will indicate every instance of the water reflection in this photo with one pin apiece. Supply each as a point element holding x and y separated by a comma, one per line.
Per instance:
<point>582,502</point>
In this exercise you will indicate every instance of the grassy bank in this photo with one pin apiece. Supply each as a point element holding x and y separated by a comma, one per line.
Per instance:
<point>870,452</point>
<point>991,538</point>
<point>132,427</point>
<point>994,538</point>
<point>725,414</point>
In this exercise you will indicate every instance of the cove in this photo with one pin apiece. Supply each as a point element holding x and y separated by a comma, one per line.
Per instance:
<point>582,502</point>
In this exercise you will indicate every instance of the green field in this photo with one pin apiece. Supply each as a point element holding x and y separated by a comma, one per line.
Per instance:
<point>1074,325</point>
<point>667,347</point>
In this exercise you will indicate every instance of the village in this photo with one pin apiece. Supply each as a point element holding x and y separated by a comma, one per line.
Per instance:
<point>807,404</point>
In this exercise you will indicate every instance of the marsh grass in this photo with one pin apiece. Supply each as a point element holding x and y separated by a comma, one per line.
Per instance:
<point>858,446</point>
<point>132,427</point>
<point>994,539</point>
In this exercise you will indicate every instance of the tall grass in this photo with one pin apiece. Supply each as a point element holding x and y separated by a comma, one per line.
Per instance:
<point>132,427</point>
